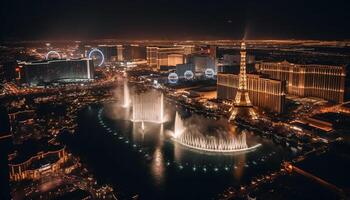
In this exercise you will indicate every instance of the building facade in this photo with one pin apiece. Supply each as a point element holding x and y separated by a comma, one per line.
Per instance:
<point>110,52</point>
<point>264,93</point>
<point>322,81</point>
<point>120,53</point>
<point>202,62</point>
<point>182,68</point>
<point>38,165</point>
<point>213,52</point>
<point>173,60</point>
<point>134,52</point>
<point>164,56</point>
<point>74,70</point>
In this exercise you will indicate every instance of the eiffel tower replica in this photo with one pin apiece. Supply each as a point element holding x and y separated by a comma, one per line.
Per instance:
<point>242,107</point>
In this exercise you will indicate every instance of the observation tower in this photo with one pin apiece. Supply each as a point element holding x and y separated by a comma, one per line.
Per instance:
<point>242,107</point>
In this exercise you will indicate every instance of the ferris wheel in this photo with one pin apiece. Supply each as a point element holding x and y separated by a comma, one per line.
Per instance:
<point>92,55</point>
<point>52,53</point>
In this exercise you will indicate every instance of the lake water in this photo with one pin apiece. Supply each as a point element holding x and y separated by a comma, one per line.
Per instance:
<point>143,160</point>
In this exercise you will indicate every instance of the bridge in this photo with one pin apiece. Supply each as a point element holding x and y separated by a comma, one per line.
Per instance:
<point>292,168</point>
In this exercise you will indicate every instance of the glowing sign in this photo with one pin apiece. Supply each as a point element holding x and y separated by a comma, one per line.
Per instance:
<point>188,75</point>
<point>173,78</point>
<point>209,73</point>
<point>52,52</point>
<point>98,51</point>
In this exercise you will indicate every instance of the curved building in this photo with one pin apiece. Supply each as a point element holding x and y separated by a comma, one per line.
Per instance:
<point>44,72</point>
<point>167,56</point>
<point>35,166</point>
<point>322,81</point>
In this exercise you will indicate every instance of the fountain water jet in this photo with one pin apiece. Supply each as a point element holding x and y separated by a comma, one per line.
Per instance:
<point>162,108</point>
<point>126,102</point>
<point>179,126</point>
<point>229,144</point>
<point>148,107</point>
<point>143,125</point>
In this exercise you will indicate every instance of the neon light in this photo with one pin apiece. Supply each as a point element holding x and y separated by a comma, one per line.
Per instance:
<point>52,52</point>
<point>188,74</point>
<point>99,51</point>
<point>173,78</point>
<point>209,73</point>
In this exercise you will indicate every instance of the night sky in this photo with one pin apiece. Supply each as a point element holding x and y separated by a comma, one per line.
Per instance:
<point>180,19</point>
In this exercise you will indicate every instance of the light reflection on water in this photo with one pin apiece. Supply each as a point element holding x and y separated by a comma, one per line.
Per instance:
<point>167,167</point>
<point>156,139</point>
<point>174,167</point>
<point>239,170</point>
<point>157,166</point>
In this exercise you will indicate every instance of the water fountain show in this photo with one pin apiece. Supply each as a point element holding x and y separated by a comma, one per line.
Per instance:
<point>148,107</point>
<point>221,142</point>
<point>172,141</point>
<point>126,99</point>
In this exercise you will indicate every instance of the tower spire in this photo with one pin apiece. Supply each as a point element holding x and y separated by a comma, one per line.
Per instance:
<point>242,72</point>
<point>242,104</point>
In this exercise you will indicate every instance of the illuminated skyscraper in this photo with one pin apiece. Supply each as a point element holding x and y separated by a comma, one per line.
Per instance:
<point>166,56</point>
<point>242,106</point>
<point>152,57</point>
<point>174,59</point>
<point>43,72</point>
<point>182,68</point>
<point>322,81</point>
<point>188,49</point>
<point>120,52</point>
<point>202,63</point>
<point>212,52</point>
<point>134,52</point>
<point>110,52</point>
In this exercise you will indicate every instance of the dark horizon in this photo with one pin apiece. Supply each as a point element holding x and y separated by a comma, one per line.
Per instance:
<point>174,20</point>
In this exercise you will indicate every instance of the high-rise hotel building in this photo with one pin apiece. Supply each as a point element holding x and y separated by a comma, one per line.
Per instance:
<point>110,52</point>
<point>265,93</point>
<point>322,81</point>
<point>202,62</point>
<point>65,70</point>
<point>167,56</point>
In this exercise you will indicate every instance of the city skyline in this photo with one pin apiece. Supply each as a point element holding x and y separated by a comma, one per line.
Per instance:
<point>174,99</point>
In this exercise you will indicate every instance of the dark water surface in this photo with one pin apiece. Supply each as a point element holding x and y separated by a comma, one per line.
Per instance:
<point>148,163</point>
